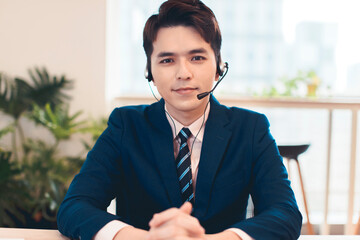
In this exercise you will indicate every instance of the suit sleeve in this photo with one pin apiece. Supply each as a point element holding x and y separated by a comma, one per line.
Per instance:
<point>83,212</point>
<point>276,214</point>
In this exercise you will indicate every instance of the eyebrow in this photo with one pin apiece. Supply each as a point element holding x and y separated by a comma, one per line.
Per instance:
<point>169,54</point>
<point>165,54</point>
<point>198,50</point>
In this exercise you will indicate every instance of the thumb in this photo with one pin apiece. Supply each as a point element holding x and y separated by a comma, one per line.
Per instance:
<point>186,208</point>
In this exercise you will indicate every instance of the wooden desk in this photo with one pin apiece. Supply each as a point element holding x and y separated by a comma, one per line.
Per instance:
<point>328,237</point>
<point>40,234</point>
<point>30,234</point>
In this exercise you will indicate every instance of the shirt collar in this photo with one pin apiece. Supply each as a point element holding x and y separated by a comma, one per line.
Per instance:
<point>196,128</point>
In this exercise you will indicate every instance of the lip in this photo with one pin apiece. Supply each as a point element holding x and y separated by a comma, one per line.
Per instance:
<point>185,90</point>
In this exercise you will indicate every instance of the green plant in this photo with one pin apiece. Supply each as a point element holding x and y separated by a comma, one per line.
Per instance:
<point>46,176</point>
<point>290,87</point>
<point>58,120</point>
<point>36,182</point>
<point>47,172</point>
<point>17,96</point>
<point>48,90</point>
<point>12,188</point>
<point>6,130</point>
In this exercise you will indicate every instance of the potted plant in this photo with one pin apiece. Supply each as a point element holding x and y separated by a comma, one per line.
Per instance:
<point>12,188</point>
<point>309,82</point>
<point>34,172</point>
<point>17,97</point>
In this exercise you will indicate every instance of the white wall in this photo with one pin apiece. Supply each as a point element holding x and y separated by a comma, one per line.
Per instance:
<point>66,36</point>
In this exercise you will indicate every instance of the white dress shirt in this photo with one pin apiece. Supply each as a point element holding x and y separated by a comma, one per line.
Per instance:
<point>197,129</point>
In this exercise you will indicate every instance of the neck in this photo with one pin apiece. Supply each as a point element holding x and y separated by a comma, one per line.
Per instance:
<point>186,118</point>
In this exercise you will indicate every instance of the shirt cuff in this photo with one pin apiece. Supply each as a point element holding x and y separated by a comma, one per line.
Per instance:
<point>243,235</point>
<point>109,231</point>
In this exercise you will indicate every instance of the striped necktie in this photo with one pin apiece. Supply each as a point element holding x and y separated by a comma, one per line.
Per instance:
<point>183,165</point>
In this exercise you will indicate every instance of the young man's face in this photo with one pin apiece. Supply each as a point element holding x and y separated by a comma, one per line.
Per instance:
<point>183,65</point>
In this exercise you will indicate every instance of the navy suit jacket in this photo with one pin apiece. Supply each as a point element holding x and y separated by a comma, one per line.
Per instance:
<point>133,160</point>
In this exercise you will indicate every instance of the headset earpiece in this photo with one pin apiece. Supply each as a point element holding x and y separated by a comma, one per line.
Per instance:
<point>147,74</point>
<point>222,68</point>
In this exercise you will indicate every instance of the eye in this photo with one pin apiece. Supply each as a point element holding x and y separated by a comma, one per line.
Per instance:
<point>167,60</point>
<point>198,58</point>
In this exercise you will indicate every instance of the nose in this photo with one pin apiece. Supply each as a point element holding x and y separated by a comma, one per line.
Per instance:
<point>183,71</point>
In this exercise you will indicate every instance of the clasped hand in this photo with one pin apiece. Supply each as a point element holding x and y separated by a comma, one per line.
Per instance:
<point>175,223</point>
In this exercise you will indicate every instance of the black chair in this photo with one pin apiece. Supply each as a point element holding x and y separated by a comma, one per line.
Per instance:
<point>292,152</point>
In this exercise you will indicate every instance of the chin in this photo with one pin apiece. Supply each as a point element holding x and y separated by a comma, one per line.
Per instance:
<point>190,107</point>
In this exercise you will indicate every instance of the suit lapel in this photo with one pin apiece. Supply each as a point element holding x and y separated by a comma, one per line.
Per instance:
<point>163,151</point>
<point>215,140</point>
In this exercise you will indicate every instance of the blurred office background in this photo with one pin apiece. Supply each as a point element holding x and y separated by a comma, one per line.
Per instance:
<point>98,43</point>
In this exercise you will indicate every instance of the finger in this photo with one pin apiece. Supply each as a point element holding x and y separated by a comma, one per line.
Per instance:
<point>173,238</point>
<point>166,232</point>
<point>186,207</point>
<point>188,223</point>
<point>162,217</point>
<point>172,231</point>
<point>191,223</point>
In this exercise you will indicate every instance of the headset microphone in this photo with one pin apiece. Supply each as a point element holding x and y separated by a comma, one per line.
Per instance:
<point>204,94</point>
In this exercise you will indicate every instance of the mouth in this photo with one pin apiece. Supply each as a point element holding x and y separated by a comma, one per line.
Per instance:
<point>185,90</point>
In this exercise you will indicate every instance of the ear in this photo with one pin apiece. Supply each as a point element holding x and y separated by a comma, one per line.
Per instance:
<point>217,77</point>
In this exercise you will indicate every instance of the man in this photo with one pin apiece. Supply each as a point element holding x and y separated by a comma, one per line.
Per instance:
<point>182,168</point>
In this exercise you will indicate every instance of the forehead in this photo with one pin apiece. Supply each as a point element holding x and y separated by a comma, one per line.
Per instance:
<point>179,39</point>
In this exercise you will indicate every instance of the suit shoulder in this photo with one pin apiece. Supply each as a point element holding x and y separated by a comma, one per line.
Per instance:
<point>247,117</point>
<point>132,110</point>
<point>243,112</point>
<point>121,113</point>
<point>133,114</point>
